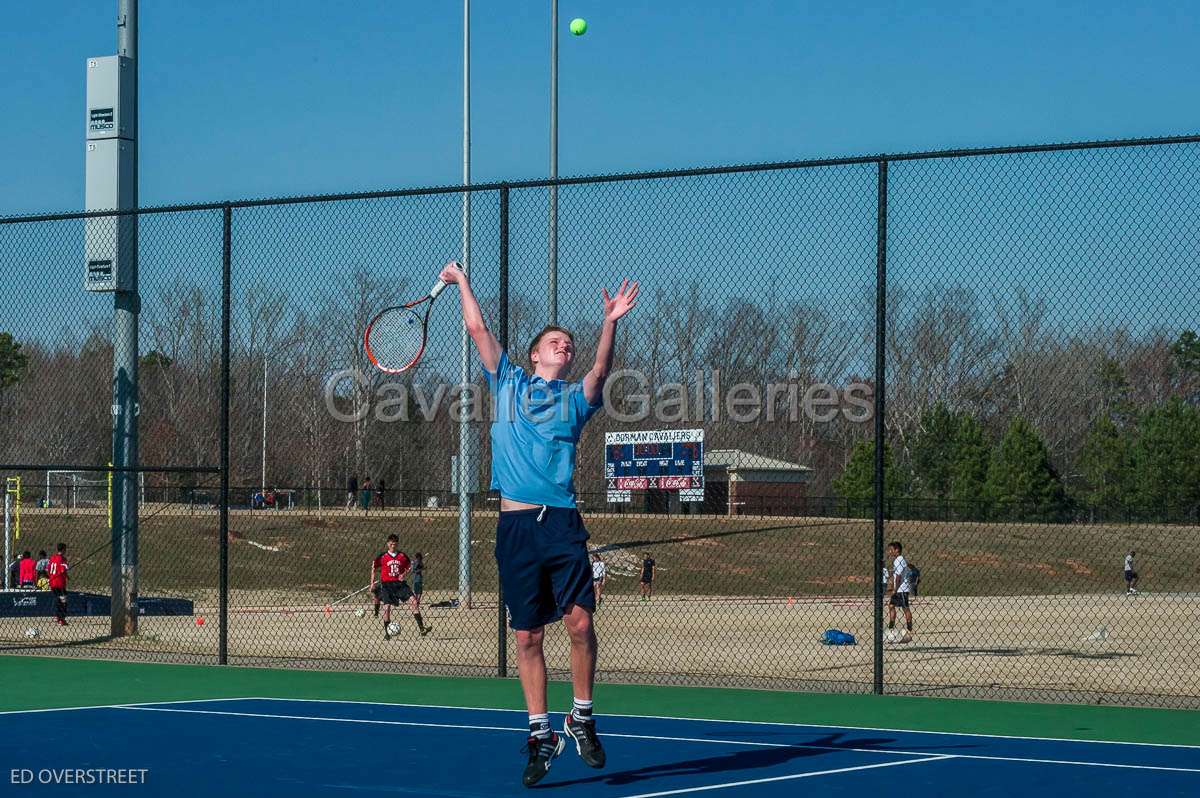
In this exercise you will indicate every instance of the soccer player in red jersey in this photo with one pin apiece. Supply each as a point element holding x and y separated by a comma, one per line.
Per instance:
<point>27,572</point>
<point>58,583</point>
<point>391,589</point>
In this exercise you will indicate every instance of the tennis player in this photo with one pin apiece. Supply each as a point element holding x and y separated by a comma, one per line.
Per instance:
<point>391,589</point>
<point>599,577</point>
<point>1131,577</point>
<point>541,544</point>
<point>900,586</point>
<point>647,576</point>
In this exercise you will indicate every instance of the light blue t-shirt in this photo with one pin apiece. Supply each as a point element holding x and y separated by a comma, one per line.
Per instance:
<point>537,424</point>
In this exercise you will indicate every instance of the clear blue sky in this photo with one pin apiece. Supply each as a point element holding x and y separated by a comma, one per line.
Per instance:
<point>247,99</point>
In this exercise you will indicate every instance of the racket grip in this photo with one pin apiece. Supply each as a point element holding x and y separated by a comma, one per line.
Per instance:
<point>440,286</point>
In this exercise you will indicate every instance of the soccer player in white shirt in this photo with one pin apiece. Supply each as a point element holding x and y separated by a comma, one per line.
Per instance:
<point>900,586</point>
<point>599,574</point>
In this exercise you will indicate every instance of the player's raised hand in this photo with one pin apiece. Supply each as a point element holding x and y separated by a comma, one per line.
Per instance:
<point>453,274</point>
<point>620,303</point>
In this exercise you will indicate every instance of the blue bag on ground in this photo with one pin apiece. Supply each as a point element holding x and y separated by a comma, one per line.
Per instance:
<point>836,637</point>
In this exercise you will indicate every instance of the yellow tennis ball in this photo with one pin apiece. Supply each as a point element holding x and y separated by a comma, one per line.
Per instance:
<point>578,26</point>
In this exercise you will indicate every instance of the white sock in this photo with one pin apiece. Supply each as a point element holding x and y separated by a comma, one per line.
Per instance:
<point>582,709</point>
<point>539,725</point>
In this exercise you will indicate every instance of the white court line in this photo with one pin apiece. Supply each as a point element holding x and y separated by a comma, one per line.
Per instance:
<point>750,723</point>
<point>788,778</point>
<point>888,751</point>
<point>142,708</point>
<point>120,706</point>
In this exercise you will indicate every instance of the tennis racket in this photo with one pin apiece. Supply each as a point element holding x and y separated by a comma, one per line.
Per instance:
<point>395,338</point>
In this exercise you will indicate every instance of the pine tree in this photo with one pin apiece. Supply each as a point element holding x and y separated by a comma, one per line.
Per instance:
<point>933,452</point>
<point>1107,465</point>
<point>857,481</point>
<point>1166,457</point>
<point>12,361</point>
<point>1021,480</point>
<point>972,456</point>
<point>1185,366</point>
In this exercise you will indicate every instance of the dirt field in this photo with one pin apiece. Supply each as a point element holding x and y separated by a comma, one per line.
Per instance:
<point>739,601</point>
<point>1109,643</point>
<point>708,555</point>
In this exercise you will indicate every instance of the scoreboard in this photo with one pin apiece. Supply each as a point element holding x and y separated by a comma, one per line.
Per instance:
<point>654,460</point>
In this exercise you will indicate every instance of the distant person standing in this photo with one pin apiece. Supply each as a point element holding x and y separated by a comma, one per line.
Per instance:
<point>27,573</point>
<point>58,583</point>
<point>1131,577</point>
<point>599,575</point>
<point>647,576</point>
<point>900,586</point>
<point>379,489</point>
<point>351,491</point>
<point>43,571</point>
<point>418,576</point>
<point>365,494</point>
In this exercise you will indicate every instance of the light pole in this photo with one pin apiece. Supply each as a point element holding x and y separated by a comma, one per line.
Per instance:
<point>124,531</point>
<point>464,442</point>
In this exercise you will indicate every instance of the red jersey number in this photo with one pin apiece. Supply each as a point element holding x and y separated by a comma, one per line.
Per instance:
<point>58,571</point>
<point>392,567</point>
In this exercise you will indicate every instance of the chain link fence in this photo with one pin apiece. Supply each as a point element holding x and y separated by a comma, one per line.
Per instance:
<point>1025,319</point>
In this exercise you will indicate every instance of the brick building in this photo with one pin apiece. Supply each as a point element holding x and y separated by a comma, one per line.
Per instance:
<point>741,483</point>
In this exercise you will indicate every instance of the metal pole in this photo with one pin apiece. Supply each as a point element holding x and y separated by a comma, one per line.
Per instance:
<point>464,429</point>
<point>880,363</point>
<point>264,426</point>
<point>223,506</point>
<point>501,618</point>
<point>125,382</point>
<point>553,275</point>
<point>7,540</point>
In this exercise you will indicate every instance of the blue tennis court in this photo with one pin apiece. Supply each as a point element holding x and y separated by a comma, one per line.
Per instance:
<point>286,747</point>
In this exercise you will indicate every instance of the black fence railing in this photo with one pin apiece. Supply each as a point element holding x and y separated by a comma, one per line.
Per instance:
<point>989,355</point>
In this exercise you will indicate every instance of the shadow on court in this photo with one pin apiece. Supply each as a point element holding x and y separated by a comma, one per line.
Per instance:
<point>50,646</point>
<point>1071,653</point>
<point>751,759</point>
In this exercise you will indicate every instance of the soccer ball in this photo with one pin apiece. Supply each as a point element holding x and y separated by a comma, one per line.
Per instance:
<point>31,632</point>
<point>393,628</point>
<point>360,612</point>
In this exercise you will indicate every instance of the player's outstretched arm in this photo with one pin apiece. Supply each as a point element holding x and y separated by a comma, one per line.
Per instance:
<point>615,307</point>
<point>485,342</point>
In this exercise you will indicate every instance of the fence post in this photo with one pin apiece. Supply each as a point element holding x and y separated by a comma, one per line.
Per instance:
<point>223,507</point>
<point>880,363</point>
<point>501,618</point>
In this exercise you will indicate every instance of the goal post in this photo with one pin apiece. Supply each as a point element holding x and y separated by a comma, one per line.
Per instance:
<point>12,523</point>
<point>74,490</point>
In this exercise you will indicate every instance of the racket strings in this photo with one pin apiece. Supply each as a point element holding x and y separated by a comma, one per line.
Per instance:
<point>396,338</point>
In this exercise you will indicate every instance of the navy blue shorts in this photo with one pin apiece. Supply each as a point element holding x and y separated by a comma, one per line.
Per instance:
<point>544,565</point>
